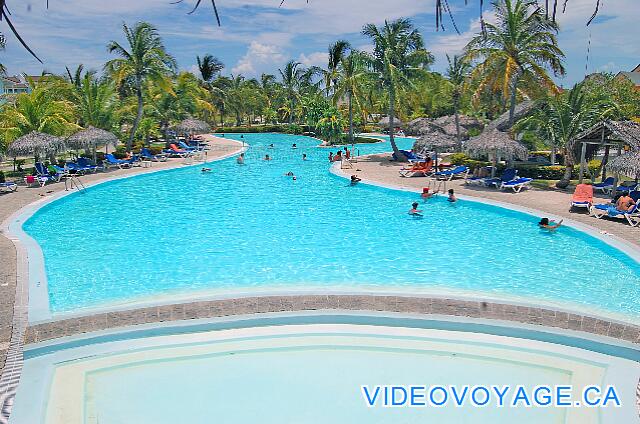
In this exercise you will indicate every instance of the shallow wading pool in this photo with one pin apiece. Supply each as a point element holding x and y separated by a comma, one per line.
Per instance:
<point>283,372</point>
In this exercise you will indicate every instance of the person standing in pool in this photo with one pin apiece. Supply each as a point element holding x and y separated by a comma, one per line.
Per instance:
<point>545,224</point>
<point>355,180</point>
<point>452,197</point>
<point>414,211</point>
<point>267,157</point>
<point>240,159</point>
<point>294,146</point>
<point>330,156</point>
<point>304,156</point>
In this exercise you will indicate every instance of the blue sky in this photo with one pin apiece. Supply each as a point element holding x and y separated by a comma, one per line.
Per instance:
<point>258,36</point>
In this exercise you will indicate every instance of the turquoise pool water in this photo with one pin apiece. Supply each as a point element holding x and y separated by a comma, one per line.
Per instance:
<point>243,228</point>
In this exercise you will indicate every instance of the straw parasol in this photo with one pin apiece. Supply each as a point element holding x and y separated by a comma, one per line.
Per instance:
<point>451,129</point>
<point>436,141</point>
<point>192,126</point>
<point>90,138</point>
<point>36,144</point>
<point>626,164</point>
<point>384,122</point>
<point>495,143</point>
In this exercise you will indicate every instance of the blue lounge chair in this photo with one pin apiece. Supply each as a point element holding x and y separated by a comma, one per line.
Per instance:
<point>120,163</point>
<point>627,187</point>
<point>9,186</point>
<point>86,165</point>
<point>409,155</point>
<point>516,185</point>
<point>508,174</point>
<point>185,146</point>
<point>609,209</point>
<point>44,176</point>
<point>606,186</point>
<point>451,173</point>
<point>146,154</point>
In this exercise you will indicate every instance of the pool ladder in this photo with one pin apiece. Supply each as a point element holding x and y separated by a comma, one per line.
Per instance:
<point>74,182</point>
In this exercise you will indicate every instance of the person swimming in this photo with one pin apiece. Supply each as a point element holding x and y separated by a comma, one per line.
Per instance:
<point>289,174</point>
<point>240,159</point>
<point>427,193</point>
<point>355,180</point>
<point>294,146</point>
<point>267,157</point>
<point>414,210</point>
<point>330,156</point>
<point>452,197</point>
<point>546,224</point>
<point>304,156</point>
<point>271,146</point>
<point>205,170</point>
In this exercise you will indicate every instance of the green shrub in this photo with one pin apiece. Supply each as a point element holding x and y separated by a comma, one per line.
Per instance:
<point>458,158</point>
<point>2,177</point>
<point>255,129</point>
<point>555,172</point>
<point>474,132</point>
<point>293,129</point>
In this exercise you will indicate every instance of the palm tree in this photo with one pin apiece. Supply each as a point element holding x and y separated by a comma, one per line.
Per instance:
<point>39,111</point>
<point>291,76</point>
<point>337,52</point>
<point>143,60</point>
<point>560,118</point>
<point>398,51</point>
<point>209,67</point>
<point>458,73</point>
<point>518,47</point>
<point>95,102</point>
<point>351,75</point>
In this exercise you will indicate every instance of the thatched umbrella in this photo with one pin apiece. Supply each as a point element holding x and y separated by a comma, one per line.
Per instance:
<point>626,164</point>
<point>36,144</point>
<point>451,129</point>
<point>384,122</point>
<point>436,141</point>
<point>421,126</point>
<point>495,143</point>
<point>193,126</point>
<point>91,138</point>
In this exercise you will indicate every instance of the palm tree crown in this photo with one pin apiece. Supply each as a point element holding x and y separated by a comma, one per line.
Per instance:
<point>209,66</point>
<point>144,59</point>
<point>517,48</point>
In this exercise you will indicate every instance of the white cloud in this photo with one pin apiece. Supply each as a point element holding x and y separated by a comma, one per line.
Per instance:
<point>314,59</point>
<point>258,55</point>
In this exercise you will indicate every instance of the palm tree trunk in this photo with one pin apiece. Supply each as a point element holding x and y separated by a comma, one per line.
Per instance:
<point>392,110</point>
<point>291,112</point>
<point>457,116</point>
<point>603,165</point>
<point>514,95</point>
<point>136,122</point>
<point>350,118</point>
<point>569,161</point>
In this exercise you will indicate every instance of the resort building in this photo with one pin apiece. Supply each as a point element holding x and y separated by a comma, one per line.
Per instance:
<point>11,86</point>
<point>633,76</point>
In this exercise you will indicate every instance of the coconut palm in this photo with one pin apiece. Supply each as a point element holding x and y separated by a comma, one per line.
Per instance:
<point>398,52</point>
<point>209,66</point>
<point>351,77</point>
<point>143,60</point>
<point>37,111</point>
<point>517,49</point>
<point>94,100</point>
<point>458,74</point>
<point>291,76</point>
<point>337,52</point>
<point>560,118</point>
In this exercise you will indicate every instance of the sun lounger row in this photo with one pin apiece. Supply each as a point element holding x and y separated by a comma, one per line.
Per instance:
<point>508,180</point>
<point>583,198</point>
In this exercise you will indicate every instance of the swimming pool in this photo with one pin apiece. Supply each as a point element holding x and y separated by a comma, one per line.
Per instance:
<point>250,228</point>
<point>285,373</point>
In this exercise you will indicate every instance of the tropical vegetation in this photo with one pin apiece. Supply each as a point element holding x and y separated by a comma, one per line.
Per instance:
<point>140,95</point>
